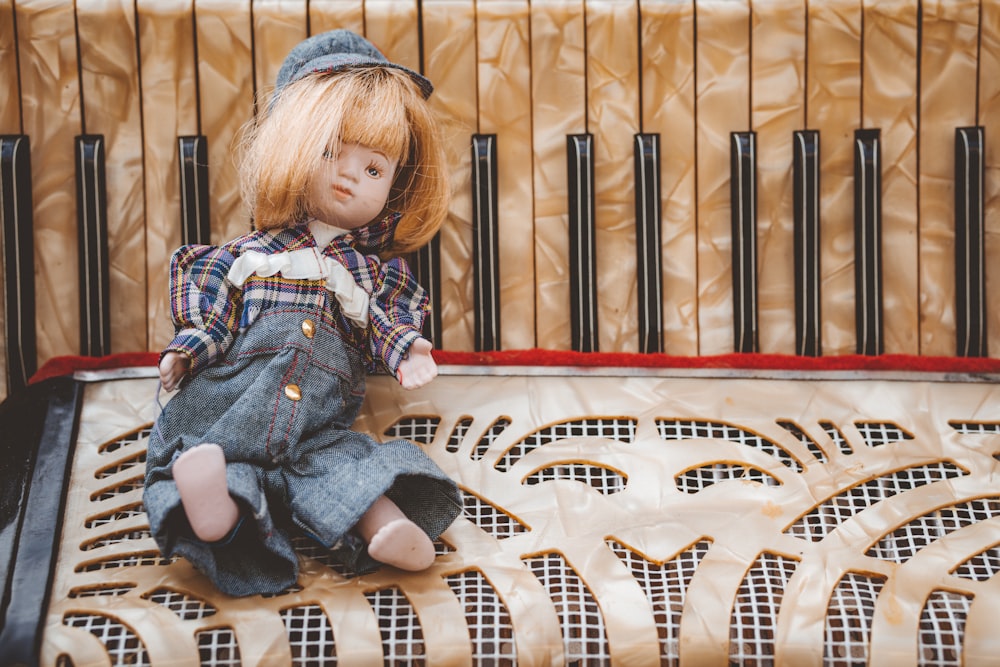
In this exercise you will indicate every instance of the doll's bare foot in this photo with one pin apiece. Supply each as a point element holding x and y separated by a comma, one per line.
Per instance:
<point>200,475</point>
<point>393,539</point>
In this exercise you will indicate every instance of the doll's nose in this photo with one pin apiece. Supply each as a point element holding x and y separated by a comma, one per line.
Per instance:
<point>346,170</point>
<point>351,164</point>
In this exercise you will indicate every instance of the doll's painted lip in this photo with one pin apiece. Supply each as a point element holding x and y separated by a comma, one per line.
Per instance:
<point>341,192</point>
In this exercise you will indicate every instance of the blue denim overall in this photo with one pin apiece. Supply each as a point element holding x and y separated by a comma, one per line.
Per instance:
<point>280,403</point>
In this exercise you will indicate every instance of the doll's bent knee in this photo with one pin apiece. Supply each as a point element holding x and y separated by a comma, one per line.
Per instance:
<point>200,476</point>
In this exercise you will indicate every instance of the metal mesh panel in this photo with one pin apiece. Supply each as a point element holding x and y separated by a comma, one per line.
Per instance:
<point>685,429</point>
<point>99,591</point>
<point>402,636</point>
<point>580,618</point>
<point>982,566</point>
<point>119,514</point>
<point>310,636</point>
<point>490,628</point>
<point>130,560</point>
<point>123,647</point>
<point>128,486</point>
<point>838,438</point>
<point>833,512</point>
<point>876,434</point>
<point>849,620</point>
<point>121,466</point>
<point>901,544</point>
<point>611,428</point>
<point>136,436</point>
<point>975,427</point>
<point>217,647</point>
<point>665,586</point>
<point>699,479</point>
<point>605,480</point>
<point>501,581</point>
<point>458,434</point>
<point>416,428</point>
<point>185,606</point>
<point>805,439</point>
<point>115,538</point>
<point>489,436</point>
<point>942,626</point>
<point>490,518</point>
<point>755,613</point>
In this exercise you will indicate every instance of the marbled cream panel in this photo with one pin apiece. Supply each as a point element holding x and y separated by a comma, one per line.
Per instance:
<point>723,106</point>
<point>225,71</point>
<point>613,119</point>
<point>278,25</point>
<point>109,71</point>
<point>833,102</point>
<point>948,61</point>
<point>504,81</point>
<point>890,103</point>
<point>330,14</point>
<point>449,28</point>
<point>668,102</point>
<point>393,26</point>
<point>170,110</point>
<point>50,104</point>
<point>558,101</point>
<point>10,108</point>
<point>10,123</point>
<point>989,117</point>
<point>778,92</point>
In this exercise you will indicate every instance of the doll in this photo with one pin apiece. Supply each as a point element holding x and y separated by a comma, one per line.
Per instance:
<point>276,330</point>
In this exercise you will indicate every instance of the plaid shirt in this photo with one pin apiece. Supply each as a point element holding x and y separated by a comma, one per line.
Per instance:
<point>207,309</point>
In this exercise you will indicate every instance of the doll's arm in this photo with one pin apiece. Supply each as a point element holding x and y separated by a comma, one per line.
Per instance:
<point>418,366</point>
<point>397,310</point>
<point>203,304</point>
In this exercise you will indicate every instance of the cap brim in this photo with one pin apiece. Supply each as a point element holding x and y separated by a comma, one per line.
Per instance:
<point>340,62</point>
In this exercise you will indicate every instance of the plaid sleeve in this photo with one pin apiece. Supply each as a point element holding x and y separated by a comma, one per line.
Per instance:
<point>202,306</point>
<point>397,311</point>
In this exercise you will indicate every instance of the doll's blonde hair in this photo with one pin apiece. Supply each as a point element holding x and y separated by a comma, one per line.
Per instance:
<point>380,107</point>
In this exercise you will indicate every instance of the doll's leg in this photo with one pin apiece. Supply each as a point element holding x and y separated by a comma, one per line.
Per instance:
<point>200,475</point>
<point>394,539</point>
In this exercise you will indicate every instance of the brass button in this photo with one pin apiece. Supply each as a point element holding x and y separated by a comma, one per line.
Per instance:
<point>293,392</point>
<point>308,328</point>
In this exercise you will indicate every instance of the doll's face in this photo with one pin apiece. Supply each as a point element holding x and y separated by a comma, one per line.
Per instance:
<point>351,188</point>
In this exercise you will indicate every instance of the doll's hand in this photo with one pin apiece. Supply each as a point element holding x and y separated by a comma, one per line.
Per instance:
<point>173,367</point>
<point>419,367</point>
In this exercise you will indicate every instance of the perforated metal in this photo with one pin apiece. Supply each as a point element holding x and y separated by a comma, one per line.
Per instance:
<point>758,601</point>
<point>942,627</point>
<point>621,430</point>
<point>218,647</point>
<point>580,619</point>
<point>849,619</point>
<point>670,532</point>
<point>490,628</point>
<point>417,429</point>
<point>835,511</point>
<point>683,429</point>
<point>310,637</point>
<point>665,586</point>
<point>402,635</point>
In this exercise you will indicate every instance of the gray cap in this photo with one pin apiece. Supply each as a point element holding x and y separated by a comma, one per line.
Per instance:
<point>336,50</point>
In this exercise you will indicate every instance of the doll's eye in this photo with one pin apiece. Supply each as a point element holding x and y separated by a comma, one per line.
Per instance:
<point>374,171</point>
<point>328,154</point>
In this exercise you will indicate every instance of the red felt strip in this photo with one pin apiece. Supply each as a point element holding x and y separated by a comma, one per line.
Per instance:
<point>888,362</point>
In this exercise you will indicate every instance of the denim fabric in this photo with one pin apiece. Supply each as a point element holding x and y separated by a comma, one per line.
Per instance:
<point>290,463</point>
<point>334,51</point>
